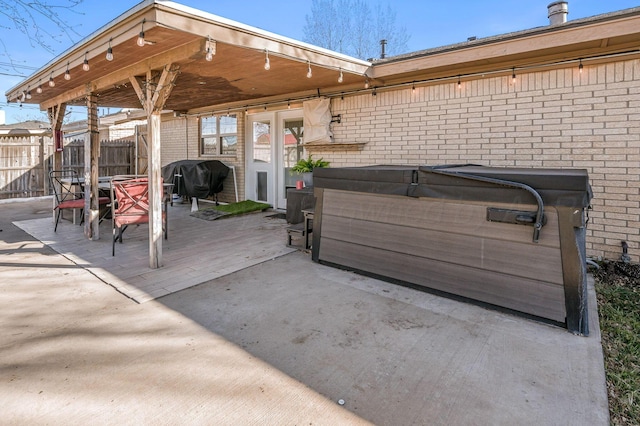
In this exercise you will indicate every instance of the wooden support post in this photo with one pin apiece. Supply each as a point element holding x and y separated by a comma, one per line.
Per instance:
<point>91,163</point>
<point>153,91</point>
<point>56,116</point>
<point>155,192</point>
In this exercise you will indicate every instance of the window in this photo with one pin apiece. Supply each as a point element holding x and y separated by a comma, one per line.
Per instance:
<point>218,135</point>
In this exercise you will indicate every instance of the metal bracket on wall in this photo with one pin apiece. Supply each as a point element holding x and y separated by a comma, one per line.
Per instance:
<point>336,118</point>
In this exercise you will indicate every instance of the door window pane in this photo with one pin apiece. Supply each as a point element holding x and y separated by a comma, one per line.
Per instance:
<point>292,152</point>
<point>262,141</point>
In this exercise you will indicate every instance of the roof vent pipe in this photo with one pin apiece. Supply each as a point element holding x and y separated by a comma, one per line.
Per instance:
<point>383,43</point>
<point>558,11</point>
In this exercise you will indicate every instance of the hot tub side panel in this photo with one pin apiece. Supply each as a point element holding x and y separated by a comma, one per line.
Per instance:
<point>444,245</point>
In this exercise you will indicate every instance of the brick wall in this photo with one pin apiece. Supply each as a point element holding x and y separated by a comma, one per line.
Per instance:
<point>123,131</point>
<point>557,118</point>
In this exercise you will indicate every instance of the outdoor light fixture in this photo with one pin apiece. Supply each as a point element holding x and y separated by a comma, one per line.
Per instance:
<point>140,40</point>
<point>51,82</point>
<point>109,56</point>
<point>39,89</point>
<point>513,75</point>
<point>67,74</point>
<point>366,83</point>
<point>580,66</point>
<point>210,49</point>
<point>309,74</point>
<point>85,64</point>
<point>340,77</point>
<point>267,63</point>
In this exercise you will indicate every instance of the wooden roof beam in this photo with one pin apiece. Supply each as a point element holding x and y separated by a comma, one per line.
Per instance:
<point>176,54</point>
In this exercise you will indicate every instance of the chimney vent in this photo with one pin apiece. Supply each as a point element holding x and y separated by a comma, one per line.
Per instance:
<point>558,11</point>
<point>383,43</point>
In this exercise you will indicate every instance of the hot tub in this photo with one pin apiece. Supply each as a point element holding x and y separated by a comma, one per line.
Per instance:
<point>508,238</point>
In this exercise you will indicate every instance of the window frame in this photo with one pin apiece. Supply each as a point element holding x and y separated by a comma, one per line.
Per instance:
<point>219,137</point>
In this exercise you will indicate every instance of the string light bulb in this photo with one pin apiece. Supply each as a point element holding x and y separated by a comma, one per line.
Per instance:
<point>459,83</point>
<point>140,42</point>
<point>413,87</point>
<point>109,56</point>
<point>309,74</point>
<point>513,75</point>
<point>39,88</point>
<point>211,49</point>
<point>51,82</point>
<point>267,63</point>
<point>85,64</point>
<point>366,83</point>
<point>28,92</point>
<point>340,77</point>
<point>580,67</point>
<point>67,74</point>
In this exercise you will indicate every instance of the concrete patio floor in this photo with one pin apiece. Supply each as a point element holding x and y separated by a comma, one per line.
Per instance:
<point>280,341</point>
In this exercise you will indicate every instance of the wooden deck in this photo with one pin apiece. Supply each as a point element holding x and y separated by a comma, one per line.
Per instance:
<point>197,250</point>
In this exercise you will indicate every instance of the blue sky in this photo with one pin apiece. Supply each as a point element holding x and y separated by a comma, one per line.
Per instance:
<point>429,23</point>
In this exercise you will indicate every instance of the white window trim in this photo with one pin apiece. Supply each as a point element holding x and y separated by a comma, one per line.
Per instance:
<point>219,137</point>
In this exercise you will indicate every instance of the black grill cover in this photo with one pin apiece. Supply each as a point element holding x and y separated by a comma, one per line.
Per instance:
<point>195,178</point>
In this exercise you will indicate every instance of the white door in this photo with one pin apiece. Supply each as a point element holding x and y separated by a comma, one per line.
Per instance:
<point>274,145</point>
<point>290,131</point>
<point>260,154</point>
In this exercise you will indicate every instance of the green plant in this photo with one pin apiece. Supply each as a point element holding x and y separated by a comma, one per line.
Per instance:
<point>618,290</point>
<point>306,165</point>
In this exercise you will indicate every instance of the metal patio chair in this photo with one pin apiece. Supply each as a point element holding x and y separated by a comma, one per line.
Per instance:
<point>130,206</point>
<point>65,184</point>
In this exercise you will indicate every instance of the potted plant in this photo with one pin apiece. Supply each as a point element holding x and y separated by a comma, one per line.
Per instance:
<point>305,167</point>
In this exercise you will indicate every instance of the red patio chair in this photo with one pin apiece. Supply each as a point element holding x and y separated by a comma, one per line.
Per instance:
<point>65,183</point>
<point>130,205</point>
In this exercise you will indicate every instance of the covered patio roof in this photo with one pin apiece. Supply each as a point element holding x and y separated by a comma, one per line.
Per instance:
<point>163,56</point>
<point>182,36</point>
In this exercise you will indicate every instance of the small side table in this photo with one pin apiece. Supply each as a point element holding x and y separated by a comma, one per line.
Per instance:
<point>297,201</point>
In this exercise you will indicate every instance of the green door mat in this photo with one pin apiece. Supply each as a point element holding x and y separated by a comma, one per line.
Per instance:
<point>227,210</point>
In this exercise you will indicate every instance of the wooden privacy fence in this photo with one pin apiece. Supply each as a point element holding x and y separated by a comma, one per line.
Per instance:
<point>25,162</point>
<point>22,165</point>
<point>116,157</point>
